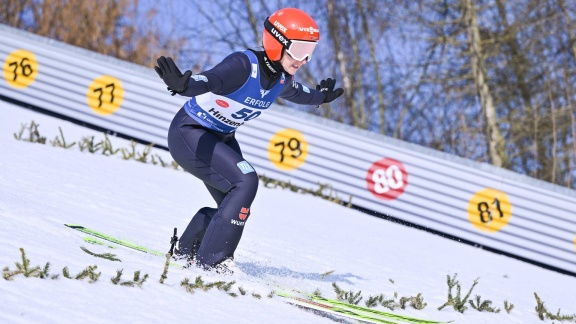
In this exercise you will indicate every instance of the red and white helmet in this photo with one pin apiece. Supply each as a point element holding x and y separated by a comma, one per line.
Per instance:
<point>291,29</point>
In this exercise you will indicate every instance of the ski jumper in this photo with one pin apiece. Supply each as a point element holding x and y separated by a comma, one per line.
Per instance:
<point>201,139</point>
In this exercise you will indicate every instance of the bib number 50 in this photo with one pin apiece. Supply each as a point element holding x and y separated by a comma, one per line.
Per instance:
<point>246,114</point>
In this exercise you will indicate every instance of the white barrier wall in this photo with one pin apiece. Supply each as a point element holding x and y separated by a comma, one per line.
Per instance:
<point>492,207</point>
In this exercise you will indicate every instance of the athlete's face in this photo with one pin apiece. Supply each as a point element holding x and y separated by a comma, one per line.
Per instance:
<point>291,65</point>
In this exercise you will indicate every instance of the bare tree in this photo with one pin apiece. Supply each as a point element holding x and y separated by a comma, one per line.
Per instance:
<point>518,64</point>
<point>109,27</point>
<point>569,94</point>
<point>381,105</point>
<point>494,138</point>
<point>338,27</point>
<point>12,12</point>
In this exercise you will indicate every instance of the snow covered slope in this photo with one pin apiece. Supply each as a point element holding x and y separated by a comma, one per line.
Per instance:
<point>291,240</point>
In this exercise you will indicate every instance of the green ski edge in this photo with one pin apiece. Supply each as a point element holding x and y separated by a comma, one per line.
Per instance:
<point>311,301</point>
<point>119,242</point>
<point>333,310</point>
<point>366,314</point>
<point>93,240</point>
<point>375,312</point>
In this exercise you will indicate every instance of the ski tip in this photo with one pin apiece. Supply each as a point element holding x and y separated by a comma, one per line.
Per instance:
<point>74,225</point>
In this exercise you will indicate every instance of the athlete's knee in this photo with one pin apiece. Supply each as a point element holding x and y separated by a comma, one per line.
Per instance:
<point>207,211</point>
<point>250,181</point>
<point>244,191</point>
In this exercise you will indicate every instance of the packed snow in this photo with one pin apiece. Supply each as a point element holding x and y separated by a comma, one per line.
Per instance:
<point>291,241</point>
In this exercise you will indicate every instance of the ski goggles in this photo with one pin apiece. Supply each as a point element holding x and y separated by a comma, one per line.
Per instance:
<point>297,49</point>
<point>301,50</point>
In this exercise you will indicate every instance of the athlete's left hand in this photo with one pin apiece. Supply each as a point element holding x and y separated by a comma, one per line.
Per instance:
<point>171,75</point>
<point>327,87</point>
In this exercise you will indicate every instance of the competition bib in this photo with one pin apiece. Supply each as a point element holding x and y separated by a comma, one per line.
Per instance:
<point>226,113</point>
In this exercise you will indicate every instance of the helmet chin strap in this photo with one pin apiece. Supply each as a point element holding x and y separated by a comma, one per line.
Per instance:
<point>273,66</point>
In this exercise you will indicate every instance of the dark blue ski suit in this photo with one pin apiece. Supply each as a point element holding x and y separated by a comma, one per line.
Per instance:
<point>201,140</point>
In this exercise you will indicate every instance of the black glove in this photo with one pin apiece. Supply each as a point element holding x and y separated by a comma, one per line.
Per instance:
<point>171,75</point>
<point>327,88</point>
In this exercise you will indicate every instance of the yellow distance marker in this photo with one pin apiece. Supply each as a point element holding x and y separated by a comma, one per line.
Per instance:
<point>105,95</point>
<point>20,69</point>
<point>287,149</point>
<point>489,210</point>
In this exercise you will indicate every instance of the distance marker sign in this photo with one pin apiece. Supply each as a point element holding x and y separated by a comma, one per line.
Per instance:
<point>287,149</point>
<point>105,95</point>
<point>387,179</point>
<point>489,210</point>
<point>20,69</point>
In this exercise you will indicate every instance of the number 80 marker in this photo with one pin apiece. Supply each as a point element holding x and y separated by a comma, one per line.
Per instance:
<point>387,179</point>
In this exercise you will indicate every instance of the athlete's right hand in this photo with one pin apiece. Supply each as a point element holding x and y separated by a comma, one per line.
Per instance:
<point>171,75</point>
